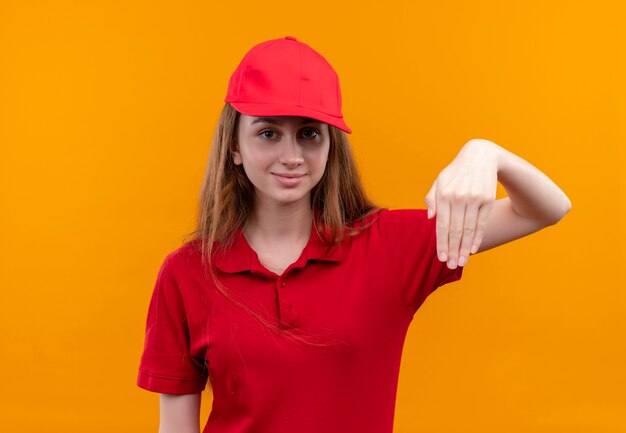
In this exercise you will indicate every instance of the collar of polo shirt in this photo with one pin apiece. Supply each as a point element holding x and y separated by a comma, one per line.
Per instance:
<point>240,256</point>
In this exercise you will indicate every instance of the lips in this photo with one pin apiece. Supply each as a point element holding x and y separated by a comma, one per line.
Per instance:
<point>289,179</point>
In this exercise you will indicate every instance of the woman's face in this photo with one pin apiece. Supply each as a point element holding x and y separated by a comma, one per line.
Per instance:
<point>283,156</point>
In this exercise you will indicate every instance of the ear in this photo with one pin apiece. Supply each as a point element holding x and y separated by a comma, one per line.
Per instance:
<point>236,155</point>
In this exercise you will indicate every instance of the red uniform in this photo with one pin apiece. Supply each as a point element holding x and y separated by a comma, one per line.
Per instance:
<point>357,301</point>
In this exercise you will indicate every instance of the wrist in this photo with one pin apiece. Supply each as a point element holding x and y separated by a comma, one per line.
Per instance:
<point>487,150</point>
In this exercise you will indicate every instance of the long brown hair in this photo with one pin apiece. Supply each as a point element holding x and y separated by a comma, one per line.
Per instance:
<point>227,197</point>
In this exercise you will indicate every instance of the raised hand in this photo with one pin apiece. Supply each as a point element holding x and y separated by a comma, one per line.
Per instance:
<point>461,198</point>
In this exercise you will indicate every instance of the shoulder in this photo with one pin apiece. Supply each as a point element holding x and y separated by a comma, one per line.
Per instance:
<point>185,277</point>
<point>396,226</point>
<point>409,216</point>
<point>402,220</point>
<point>389,216</point>
<point>183,258</point>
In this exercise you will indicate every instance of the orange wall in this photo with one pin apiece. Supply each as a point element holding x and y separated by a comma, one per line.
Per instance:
<point>106,114</point>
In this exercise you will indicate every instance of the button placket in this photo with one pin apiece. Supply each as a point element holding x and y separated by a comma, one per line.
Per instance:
<point>288,315</point>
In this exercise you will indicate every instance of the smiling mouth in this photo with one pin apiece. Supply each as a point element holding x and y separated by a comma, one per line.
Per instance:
<point>289,179</point>
<point>289,175</point>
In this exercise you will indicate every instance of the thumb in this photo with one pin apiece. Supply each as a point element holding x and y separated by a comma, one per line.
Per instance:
<point>431,203</point>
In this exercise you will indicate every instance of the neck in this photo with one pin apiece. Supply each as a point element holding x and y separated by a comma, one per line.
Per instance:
<point>272,223</point>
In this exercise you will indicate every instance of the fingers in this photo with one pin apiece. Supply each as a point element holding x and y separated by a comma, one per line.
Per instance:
<point>431,201</point>
<point>442,227</point>
<point>481,224</point>
<point>460,227</point>
<point>455,232</point>
<point>462,208</point>
<point>469,230</point>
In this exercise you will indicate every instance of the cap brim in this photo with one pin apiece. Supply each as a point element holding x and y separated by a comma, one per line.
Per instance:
<point>289,110</point>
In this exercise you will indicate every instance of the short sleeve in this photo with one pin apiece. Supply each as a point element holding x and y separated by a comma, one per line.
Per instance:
<point>166,363</point>
<point>412,250</point>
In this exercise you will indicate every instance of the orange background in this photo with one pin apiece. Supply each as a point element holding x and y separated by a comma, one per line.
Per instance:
<point>106,114</point>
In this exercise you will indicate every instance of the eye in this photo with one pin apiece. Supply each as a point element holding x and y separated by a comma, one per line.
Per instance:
<point>268,133</point>
<point>310,133</point>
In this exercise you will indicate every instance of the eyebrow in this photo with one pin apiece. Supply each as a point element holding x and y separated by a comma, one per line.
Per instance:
<point>275,121</point>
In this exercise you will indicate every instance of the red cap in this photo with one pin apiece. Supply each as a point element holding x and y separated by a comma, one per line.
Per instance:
<point>285,77</point>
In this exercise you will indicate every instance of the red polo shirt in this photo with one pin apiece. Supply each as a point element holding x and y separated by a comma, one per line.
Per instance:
<point>356,300</point>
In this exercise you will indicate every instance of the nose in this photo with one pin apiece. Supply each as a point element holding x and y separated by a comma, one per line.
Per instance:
<point>291,152</point>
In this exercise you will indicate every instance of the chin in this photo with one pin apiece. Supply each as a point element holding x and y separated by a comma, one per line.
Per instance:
<point>289,197</point>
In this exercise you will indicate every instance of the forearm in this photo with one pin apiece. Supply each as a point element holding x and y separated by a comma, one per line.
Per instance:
<point>532,193</point>
<point>179,413</point>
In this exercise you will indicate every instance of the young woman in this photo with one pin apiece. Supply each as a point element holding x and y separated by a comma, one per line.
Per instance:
<point>294,296</point>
